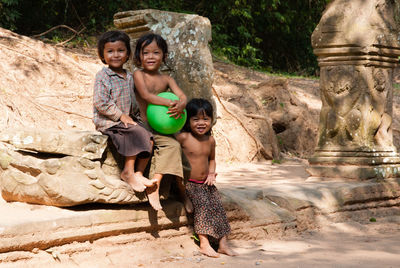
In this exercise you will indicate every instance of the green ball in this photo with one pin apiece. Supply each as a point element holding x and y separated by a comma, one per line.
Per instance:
<point>160,121</point>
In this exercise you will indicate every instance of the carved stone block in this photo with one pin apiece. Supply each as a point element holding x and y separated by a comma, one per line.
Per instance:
<point>56,168</point>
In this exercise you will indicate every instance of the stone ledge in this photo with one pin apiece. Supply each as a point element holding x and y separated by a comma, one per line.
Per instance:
<point>266,210</point>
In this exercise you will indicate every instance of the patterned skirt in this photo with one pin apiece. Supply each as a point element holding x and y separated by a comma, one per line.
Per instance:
<point>209,215</point>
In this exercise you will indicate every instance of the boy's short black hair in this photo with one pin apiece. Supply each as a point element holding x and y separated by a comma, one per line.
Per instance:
<point>146,40</point>
<point>112,36</point>
<point>196,106</point>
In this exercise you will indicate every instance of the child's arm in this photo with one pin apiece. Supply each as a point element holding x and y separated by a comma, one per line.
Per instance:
<point>102,100</point>
<point>145,94</point>
<point>180,137</point>
<point>104,104</point>
<point>211,178</point>
<point>126,119</point>
<point>177,107</point>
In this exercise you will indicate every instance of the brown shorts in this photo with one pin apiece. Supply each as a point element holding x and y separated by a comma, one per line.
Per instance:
<point>167,158</point>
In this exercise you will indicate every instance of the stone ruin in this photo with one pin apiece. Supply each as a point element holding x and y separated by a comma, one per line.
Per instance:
<point>67,168</point>
<point>357,44</point>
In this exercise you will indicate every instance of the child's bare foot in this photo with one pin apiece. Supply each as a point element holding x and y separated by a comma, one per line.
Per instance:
<point>227,251</point>
<point>133,181</point>
<point>145,181</point>
<point>209,251</point>
<point>224,247</point>
<point>188,205</point>
<point>153,196</point>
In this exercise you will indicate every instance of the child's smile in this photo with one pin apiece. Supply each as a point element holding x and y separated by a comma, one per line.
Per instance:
<point>151,57</point>
<point>115,55</point>
<point>200,124</point>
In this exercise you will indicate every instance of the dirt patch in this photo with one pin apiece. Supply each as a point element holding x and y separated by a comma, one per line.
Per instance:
<point>44,86</point>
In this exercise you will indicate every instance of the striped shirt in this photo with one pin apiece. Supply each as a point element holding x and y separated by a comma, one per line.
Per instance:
<point>113,96</point>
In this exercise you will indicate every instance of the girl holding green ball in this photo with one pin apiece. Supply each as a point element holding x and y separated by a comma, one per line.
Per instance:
<point>151,51</point>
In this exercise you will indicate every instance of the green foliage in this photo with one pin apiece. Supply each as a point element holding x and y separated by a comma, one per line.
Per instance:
<point>8,14</point>
<point>262,34</point>
<point>195,237</point>
<point>265,34</point>
<point>276,161</point>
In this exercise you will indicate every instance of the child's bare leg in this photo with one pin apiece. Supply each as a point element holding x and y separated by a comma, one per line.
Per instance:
<point>206,248</point>
<point>127,174</point>
<point>140,167</point>
<point>224,247</point>
<point>153,192</point>
<point>182,192</point>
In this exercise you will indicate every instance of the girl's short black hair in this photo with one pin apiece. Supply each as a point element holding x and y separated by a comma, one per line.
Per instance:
<point>146,40</point>
<point>112,36</point>
<point>196,106</point>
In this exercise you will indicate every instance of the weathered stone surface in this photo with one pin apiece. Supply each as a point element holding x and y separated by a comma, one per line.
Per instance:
<point>30,226</point>
<point>189,59</point>
<point>48,176</point>
<point>357,52</point>
<point>88,144</point>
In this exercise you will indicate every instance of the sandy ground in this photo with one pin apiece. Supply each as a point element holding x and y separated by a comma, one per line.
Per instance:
<point>350,244</point>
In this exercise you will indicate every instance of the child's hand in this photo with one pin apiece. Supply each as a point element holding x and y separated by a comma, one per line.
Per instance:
<point>211,178</point>
<point>126,119</point>
<point>176,109</point>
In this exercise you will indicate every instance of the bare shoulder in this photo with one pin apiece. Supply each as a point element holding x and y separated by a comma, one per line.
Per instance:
<point>182,136</point>
<point>167,79</point>
<point>137,72</point>
<point>212,140</point>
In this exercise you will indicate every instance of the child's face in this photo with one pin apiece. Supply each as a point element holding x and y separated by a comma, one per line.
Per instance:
<point>151,57</point>
<point>115,54</point>
<point>200,124</point>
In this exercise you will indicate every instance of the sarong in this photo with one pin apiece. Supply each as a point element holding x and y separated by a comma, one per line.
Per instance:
<point>130,141</point>
<point>209,215</point>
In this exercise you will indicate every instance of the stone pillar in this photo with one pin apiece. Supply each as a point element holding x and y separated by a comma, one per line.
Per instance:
<point>357,45</point>
<point>189,59</point>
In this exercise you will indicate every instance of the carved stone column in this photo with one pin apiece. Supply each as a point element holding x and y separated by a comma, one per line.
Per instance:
<point>357,45</point>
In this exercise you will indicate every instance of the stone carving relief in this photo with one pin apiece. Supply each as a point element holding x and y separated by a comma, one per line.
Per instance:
<point>357,52</point>
<point>34,171</point>
<point>340,95</point>
<point>355,111</point>
<point>382,95</point>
